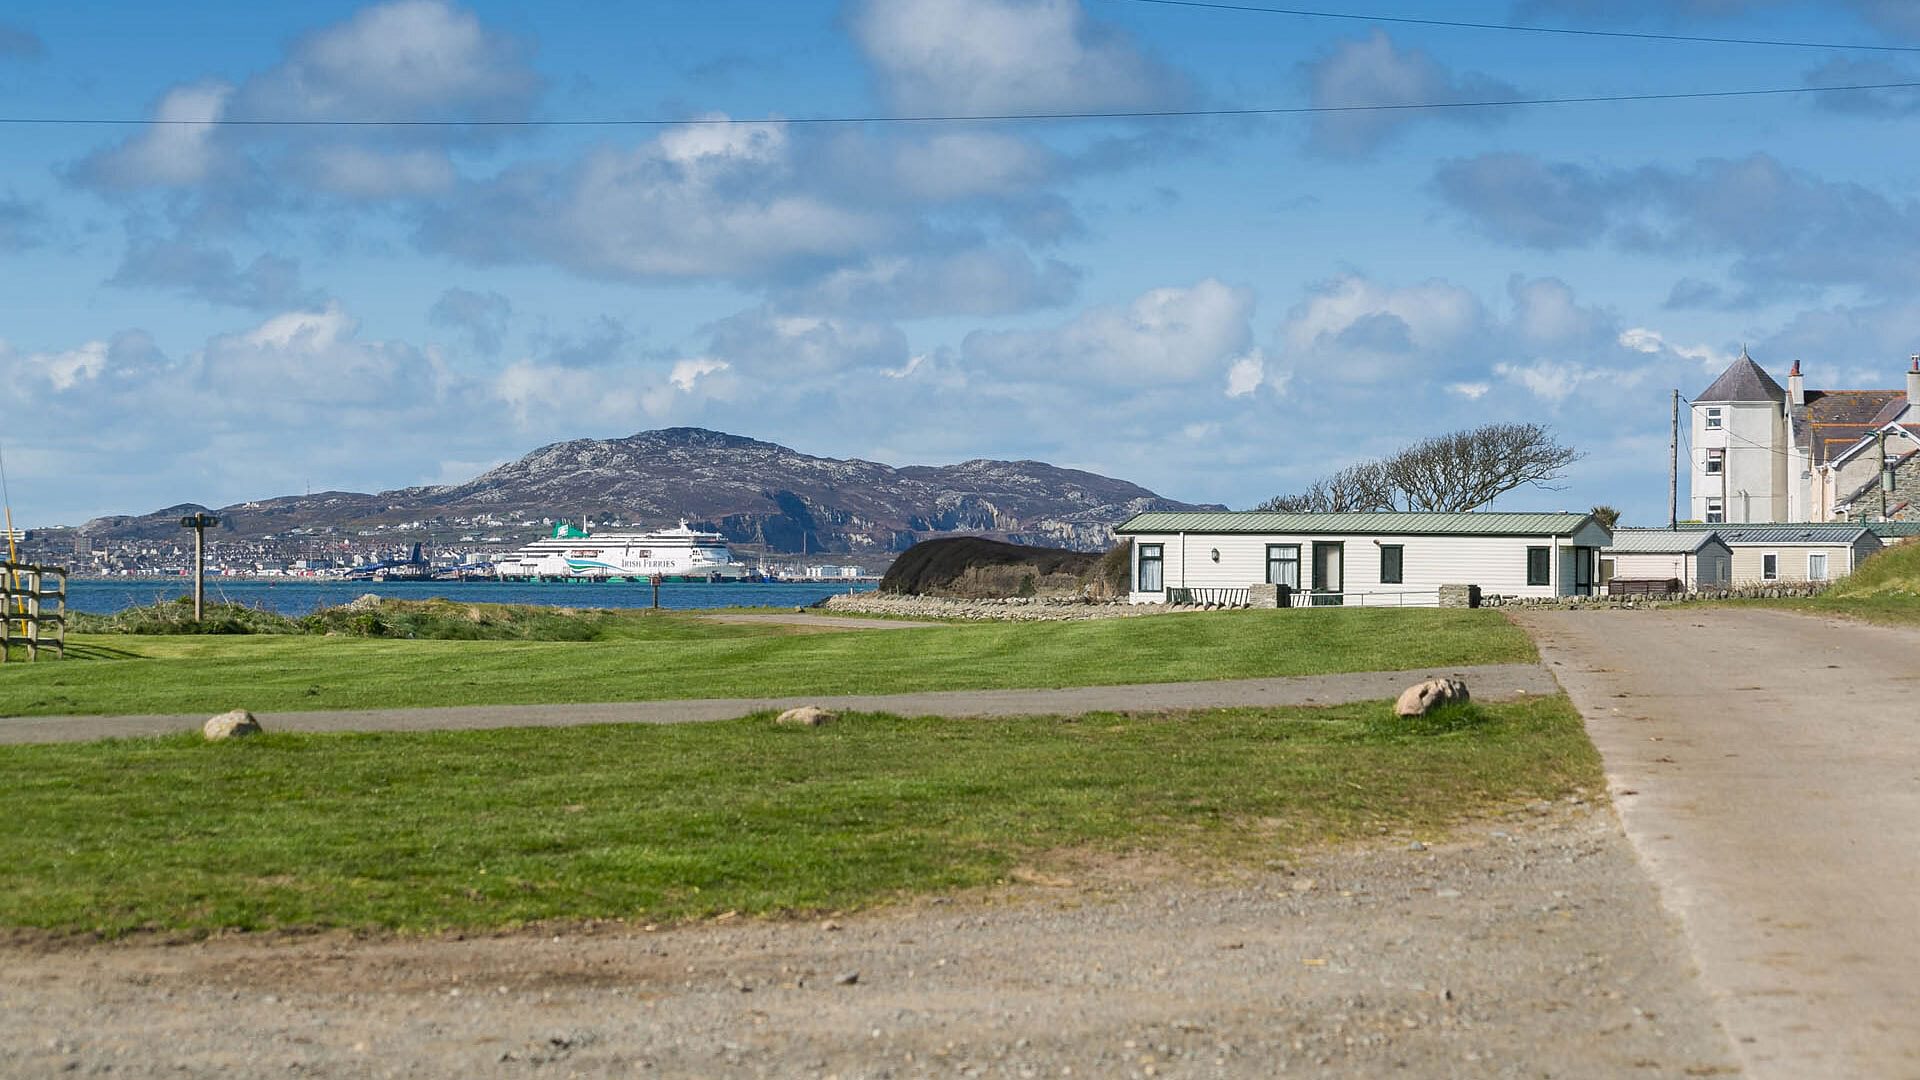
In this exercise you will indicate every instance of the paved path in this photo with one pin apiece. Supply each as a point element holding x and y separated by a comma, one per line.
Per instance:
<point>1488,682</point>
<point>1767,768</point>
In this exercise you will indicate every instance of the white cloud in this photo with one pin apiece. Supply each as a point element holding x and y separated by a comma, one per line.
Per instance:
<point>992,56</point>
<point>1370,71</point>
<point>1354,329</point>
<point>686,373</point>
<point>1166,335</point>
<point>411,59</point>
<point>972,281</point>
<point>408,60</point>
<point>1472,391</point>
<point>177,150</point>
<point>969,164</point>
<point>1651,342</point>
<point>913,364</point>
<point>776,345</point>
<point>62,371</point>
<point>1557,380</point>
<point>699,201</point>
<point>366,173</point>
<point>300,358</point>
<point>1247,374</point>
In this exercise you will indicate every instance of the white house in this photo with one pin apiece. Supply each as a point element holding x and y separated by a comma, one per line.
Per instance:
<point>1698,559</point>
<point>1763,453</point>
<point>1395,559</point>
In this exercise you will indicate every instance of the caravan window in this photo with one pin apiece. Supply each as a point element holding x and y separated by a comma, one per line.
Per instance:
<point>1283,565</point>
<point>1392,562</point>
<point>1539,566</point>
<point>1151,563</point>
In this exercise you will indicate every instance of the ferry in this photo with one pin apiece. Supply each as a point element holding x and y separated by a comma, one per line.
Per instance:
<point>573,553</point>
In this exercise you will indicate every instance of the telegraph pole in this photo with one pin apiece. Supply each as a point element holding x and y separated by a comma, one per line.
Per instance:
<point>1886,478</point>
<point>199,523</point>
<point>1673,467</point>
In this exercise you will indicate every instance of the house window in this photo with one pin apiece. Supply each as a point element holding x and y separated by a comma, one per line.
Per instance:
<point>1283,565</point>
<point>1716,462</point>
<point>1716,512</point>
<point>1816,566</point>
<point>1539,566</point>
<point>1391,560</point>
<point>1713,419</point>
<point>1151,563</point>
<point>1770,566</point>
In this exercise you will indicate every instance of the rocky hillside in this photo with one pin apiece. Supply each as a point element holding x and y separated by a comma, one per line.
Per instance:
<point>756,493</point>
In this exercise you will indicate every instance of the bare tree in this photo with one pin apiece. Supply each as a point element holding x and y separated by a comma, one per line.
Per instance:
<point>1463,470</point>
<point>1361,486</point>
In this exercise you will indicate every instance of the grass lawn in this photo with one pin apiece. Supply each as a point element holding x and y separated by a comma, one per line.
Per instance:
<point>651,656</point>
<point>1885,589</point>
<point>440,830</point>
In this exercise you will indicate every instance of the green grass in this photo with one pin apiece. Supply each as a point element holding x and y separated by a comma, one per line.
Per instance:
<point>441,830</point>
<point>1884,589</point>
<point>656,656</point>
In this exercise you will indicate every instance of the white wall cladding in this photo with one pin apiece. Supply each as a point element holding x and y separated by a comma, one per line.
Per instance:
<point>1498,564</point>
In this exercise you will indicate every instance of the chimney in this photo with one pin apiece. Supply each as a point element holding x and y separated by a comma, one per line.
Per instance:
<point>1797,387</point>
<point>1913,383</point>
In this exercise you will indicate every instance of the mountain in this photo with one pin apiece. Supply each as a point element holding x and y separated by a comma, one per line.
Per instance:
<point>755,493</point>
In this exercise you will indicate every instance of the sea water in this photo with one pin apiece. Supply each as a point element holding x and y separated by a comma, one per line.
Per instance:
<point>300,596</point>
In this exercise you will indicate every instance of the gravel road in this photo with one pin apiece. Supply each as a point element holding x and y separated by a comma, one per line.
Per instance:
<point>1526,946</point>
<point>1491,682</point>
<point>1767,768</point>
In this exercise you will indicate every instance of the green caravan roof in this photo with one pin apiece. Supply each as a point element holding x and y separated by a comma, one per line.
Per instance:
<point>1383,523</point>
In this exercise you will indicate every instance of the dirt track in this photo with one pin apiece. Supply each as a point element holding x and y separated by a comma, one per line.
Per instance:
<point>1490,682</point>
<point>1534,946</point>
<point>1767,768</point>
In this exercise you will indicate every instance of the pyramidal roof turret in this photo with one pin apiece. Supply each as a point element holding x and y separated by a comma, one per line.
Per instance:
<point>1743,380</point>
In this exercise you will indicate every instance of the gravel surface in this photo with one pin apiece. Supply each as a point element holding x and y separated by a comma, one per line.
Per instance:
<point>1526,946</point>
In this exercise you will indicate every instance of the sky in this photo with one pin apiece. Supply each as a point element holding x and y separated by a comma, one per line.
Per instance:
<point>1221,308</point>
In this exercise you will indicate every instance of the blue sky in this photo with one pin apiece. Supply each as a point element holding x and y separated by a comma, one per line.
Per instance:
<point>1218,308</point>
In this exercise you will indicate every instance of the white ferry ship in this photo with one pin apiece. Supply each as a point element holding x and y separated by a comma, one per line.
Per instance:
<point>572,553</point>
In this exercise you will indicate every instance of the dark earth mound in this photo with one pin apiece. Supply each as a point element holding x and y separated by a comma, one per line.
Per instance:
<point>973,565</point>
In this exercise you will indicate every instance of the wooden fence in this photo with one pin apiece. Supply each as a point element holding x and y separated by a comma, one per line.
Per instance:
<point>33,609</point>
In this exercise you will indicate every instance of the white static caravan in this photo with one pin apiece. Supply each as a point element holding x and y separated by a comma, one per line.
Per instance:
<point>1354,559</point>
<point>1696,559</point>
<point>1763,554</point>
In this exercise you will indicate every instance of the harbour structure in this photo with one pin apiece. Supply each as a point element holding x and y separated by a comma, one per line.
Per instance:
<point>574,553</point>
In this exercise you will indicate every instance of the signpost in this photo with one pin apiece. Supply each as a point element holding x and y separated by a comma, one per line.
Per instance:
<point>199,523</point>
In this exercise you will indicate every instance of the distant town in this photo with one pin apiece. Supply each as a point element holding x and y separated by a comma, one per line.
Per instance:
<point>452,548</point>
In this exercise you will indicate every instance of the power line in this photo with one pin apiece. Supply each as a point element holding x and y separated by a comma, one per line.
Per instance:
<point>961,118</point>
<point>1569,31</point>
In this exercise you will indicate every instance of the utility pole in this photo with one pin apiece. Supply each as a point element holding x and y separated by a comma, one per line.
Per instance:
<point>199,523</point>
<point>1886,478</point>
<point>1673,467</point>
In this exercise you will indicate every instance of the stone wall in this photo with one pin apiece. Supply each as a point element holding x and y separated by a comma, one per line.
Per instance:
<point>1903,500</point>
<point>1010,609</point>
<point>1775,590</point>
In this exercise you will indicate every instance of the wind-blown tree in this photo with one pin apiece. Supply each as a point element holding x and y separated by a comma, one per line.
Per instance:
<point>1607,516</point>
<point>1463,470</point>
